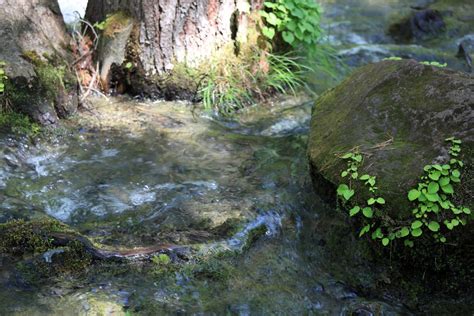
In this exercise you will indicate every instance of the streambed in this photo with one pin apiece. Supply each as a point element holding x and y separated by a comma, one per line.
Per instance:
<point>130,174</point>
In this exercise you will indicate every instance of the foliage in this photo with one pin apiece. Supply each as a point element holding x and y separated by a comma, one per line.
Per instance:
<point>112,23</point>
<point>296,20</point>
<point>434,64</point>
<point>19,124</point>
<point>230,85</point>
<point>395,58</point>
<point>3,77</point>
<point>427,63</point>
<point>432,195</point>
<point>52,74</point>
<point>161,259</point>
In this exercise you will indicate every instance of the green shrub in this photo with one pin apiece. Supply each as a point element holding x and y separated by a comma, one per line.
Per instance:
<point>296,20</point>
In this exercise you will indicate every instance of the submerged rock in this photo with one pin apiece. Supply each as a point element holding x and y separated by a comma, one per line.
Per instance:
<point>418,26</point>
<point>399,113</point>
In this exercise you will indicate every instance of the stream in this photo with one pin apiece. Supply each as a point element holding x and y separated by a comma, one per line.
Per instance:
<point>130,174</point>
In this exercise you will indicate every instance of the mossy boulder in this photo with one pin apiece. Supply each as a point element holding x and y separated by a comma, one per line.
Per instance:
<point>398,113</point>
<point>40,83</point>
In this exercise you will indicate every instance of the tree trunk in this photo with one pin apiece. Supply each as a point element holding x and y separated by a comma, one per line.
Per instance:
<point>34,47</point>
<point>168,33</point>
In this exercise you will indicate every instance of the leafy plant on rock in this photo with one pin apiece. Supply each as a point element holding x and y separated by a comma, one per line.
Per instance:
<point>433,196</point>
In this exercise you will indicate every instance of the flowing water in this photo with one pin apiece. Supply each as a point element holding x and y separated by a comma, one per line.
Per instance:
<point>151,173</point>
<point>235,193</point>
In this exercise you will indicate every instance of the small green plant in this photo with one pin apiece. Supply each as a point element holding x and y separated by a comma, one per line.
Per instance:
<point>3,77</point>
<point>100,25</point>
<point>230,86</point>
<point>428,63</point>
<point>433,197</point>
<point>161,259</point>
<point>19,124</point>
<point>296,20</point>
<point>434,64</point>
<point>395,58</point>
<point>434,194</point>
<point>354,160</point>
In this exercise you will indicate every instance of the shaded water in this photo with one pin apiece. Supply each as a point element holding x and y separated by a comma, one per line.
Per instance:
<point>358,29</point>
<point>135,174</point>
<point>153,172</point>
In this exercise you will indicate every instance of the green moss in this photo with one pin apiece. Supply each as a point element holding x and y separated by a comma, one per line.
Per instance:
<point>21,238</point>
<point>54,77</point>
<point>18,237</point>
<point>254,235</point>
<point>229,228</point>
<point>19,124</point>
<point>115,23</point>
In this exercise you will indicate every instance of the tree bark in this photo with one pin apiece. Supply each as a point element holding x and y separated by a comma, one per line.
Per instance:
<point>33,34</point>
<point>172,32</point>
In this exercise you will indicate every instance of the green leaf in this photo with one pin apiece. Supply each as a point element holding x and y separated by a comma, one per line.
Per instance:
<point>413,194</point>
<point>385,242</point>
<point>291,26</point>
<point>268,32</point>
<point>416,224</point>
<point>433,187</point>
<point>364,230</point>
<point>377,233</point>
<point>342,188</point>
<point>444,181</point>
<point>354,211</point>
<point>381,200</point>
<point>434,226</point>
<point>466,211</point>
<point>404,232</point>
<point>432,197</point>
<point>364,177</point>
<point>455,180</point>
<point>368,212</point>
<point>348,194</point>
<point>288,37</point>
<point>449,225</point>
<point>272,19</point>
<point>456,173</point>
<point>416,232</point>
<point>435,175</point>
<point>344,174</point>
<point>371,201</point>
<point>444,204</point>
<point>448,189</point>
<point>347,156</point>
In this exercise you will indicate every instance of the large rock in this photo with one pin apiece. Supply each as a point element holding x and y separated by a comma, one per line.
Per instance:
<point>399,113</point>
<point>419,25</point>
<point>34,47</point>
